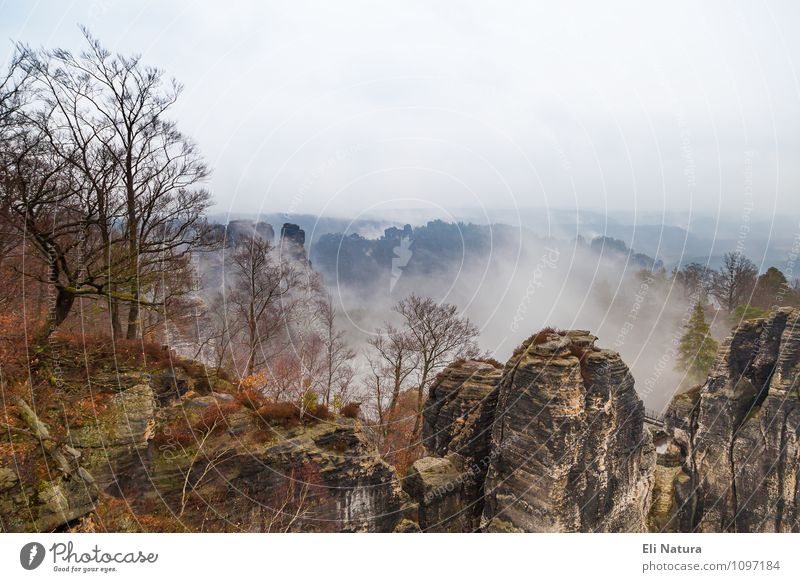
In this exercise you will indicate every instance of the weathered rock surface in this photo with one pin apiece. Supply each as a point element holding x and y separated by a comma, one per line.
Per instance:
<point>131,465</point>
<point>436,484</point>
<point>458,419</point>
<point>569,448</point>
<point>43,481</point>
<point>321,477</point>
<point>114,442</point>
<point>739,439</point>
<point>553,442</point>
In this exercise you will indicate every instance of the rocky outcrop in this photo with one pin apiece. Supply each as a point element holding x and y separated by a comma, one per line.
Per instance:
<point>43,481</point>
<point>239,229</point>
<point>738,433</point>
<point>670,510</point>
<point>198,463</point>
<point>292,242</point>
<point>569,447</point>
<point>437,486</point>
<point>325,476</point>
<point>114,442</point>
<point>555,441</point>
<point>458,417</point>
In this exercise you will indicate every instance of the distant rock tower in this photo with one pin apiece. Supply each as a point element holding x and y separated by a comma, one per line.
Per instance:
<point>293,240</point>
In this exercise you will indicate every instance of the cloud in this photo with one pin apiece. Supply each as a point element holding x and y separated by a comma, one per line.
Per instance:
<point>569,104</point>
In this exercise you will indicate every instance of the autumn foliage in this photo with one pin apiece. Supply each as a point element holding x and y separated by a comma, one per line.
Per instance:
<point>284,414</point>
<point>397,443</point>
<point>351,410</point>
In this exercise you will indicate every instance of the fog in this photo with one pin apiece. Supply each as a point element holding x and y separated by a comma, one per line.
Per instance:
<point>522,286</point>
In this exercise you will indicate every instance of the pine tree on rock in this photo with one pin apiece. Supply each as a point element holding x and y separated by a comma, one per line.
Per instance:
<point>697,348</point>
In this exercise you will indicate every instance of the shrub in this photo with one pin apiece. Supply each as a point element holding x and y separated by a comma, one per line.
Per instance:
<point>543,335</point>
<point>539,337</point>
<point>400,447</point>
<point>99,352</point>
<point>351,410</point>
<point>492,362</point>
<point>285,414</point>
<point>250,398</point>
<point>319,412</point>
<point>215,417</point>
<point>174,436</point>
<point>309,400</point>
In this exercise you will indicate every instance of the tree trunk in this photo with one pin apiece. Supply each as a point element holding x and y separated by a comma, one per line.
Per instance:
<point>253,347</point>
<point>395,390</point>
<point>64,301</point>
<point>420,401</point>
<point>61,310</point>
<point>116,324</point>
<point>133,318</point>
<point>133,241</point>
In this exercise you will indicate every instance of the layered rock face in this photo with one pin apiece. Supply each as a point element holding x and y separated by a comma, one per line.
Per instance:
<point>738,434</point>
<point>325,476</point>
<point>457,428</point>
<point>553,442</point>
<point>569,448</point>
<point>130,464</point>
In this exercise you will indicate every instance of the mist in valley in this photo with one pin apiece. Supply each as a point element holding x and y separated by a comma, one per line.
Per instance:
<point>524,283</point>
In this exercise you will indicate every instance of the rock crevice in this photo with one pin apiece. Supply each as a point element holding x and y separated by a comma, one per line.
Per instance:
<point>738,433</point>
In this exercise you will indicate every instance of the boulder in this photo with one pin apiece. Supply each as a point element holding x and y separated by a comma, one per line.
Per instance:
<point>435,483</point>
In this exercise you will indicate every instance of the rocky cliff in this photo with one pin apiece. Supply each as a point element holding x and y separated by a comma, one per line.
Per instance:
<point>457,428</point>
<point>736,436</point>
<point>569,448</point>
<point>125,459</point>
<point>555,441</point>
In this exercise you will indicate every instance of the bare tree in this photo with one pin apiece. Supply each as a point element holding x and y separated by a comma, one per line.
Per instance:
<point>14,93</point>
<point>438,335</point>
<point>42,201</point>
<point>337,353</point>
<point>260,296</point>
<point>696,279</point>
<point>734,282</point>
<point>394,361</point>
<point>106,117</point>
<point>217,333</point>
<point>211,462</point>
<point>14,85</point>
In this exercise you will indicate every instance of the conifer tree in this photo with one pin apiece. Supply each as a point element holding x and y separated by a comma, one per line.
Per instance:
<point>697,348</point>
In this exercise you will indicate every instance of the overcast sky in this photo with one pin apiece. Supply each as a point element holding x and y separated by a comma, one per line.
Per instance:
<point>351,108</point>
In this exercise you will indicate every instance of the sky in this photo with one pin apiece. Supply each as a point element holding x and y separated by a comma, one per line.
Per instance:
<point>353,108</point>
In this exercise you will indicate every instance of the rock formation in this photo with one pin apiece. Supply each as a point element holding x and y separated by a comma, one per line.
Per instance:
<point>457,425</point>
<point>569,449</point>
<point>292,243</point>
<point>737,434</point>
<point>553,442</point>
<point>131,464</point>
<point>240,229</point>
